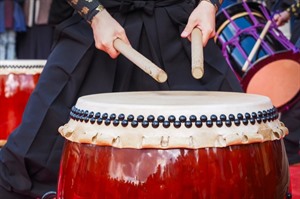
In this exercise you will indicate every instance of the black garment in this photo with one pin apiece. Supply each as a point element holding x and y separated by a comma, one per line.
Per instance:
<point>295,30</point>
<point>291,119</point>
<point>35,43</point>
<point>59,11</point>
<point>30,160</point>
<point>10,195</point>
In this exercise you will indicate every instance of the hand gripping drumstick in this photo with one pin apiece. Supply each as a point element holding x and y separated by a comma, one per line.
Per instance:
<point>142,62</point>
<point>256,45</point>
<point>197,54</point>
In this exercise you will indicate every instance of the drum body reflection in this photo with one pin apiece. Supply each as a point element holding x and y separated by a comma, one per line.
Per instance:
<point>274,68</point>
<point>18,79</point>
<point>173,145</point>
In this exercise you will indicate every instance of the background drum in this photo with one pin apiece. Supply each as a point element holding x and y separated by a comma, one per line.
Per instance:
<point>17,80</point>
<point>264,60</point>
<point>173,145</point>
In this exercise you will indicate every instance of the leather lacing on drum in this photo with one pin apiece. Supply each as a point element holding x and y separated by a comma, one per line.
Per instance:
<point>20,66</point>
<point>21,69</point>
<point>150,120</point>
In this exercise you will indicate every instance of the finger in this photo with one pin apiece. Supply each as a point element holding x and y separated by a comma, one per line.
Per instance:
<point>206,35</point>
<point>276,16</point>
<point>280,22</point>
<point>276,19</point>
<point>205,38</point>
<point>112,52</point>
<point>187,31</point>
<point>124,38</point>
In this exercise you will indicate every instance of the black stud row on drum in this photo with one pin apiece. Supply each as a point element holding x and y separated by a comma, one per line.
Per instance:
<point>188,122</point>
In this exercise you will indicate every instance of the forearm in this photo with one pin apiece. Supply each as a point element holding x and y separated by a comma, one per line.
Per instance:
<point>87,9</point>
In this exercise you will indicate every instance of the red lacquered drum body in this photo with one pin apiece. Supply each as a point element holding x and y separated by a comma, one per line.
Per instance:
<point>248,171</point>
<point>18,79</point>
<point>127,162</point>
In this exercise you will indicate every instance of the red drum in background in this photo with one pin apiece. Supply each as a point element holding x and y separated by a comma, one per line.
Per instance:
<point>173,145</point>
<point>274,69</point>
<point>18,79</point>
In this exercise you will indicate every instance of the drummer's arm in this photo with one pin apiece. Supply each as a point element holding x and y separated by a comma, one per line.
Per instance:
<point>105,28</point>
<point>284,16</point>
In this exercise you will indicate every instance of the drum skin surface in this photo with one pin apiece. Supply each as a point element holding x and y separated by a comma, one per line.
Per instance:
<point>18,78</point>
<point>235,172</point>
<point>173,144</point>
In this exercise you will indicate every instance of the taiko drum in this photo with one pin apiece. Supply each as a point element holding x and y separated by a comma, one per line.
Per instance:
<point>18,79</point>
<point>173,144</point>
<point>262,57</point>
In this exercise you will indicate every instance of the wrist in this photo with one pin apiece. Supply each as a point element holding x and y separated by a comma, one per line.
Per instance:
<point>100,8</point>
<point>209,2</point>
<point>99,18</point>
<point>86,8</point>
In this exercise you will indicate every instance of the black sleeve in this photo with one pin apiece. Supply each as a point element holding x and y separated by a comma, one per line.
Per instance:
<point>86,8</point>
<point>294,9</point>
<point>217,3</point>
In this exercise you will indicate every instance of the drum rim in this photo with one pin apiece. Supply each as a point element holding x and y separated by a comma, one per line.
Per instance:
<point>291,103</point>
<point>222,21</point>
<point>230,9</point>
<point>234,17</point>
<point>258,124</point>
<point>22,66</point>
<point>22,62</point>
<point>260,63</point>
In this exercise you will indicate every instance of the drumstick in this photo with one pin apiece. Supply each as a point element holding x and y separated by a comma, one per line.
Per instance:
<point>256,45</point>
<point>142,62</point>
<point>197,54</point>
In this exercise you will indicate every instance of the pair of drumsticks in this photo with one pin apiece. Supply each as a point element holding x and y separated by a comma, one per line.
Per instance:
<point>153,70</point>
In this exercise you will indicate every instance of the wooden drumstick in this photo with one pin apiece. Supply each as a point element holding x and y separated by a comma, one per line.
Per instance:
<point>256,45</point>
<point>197,54</point>
<point>141,61</point>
